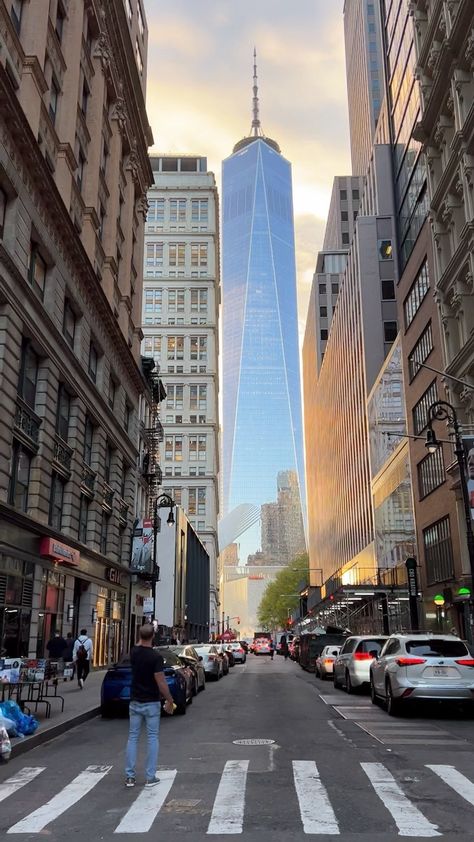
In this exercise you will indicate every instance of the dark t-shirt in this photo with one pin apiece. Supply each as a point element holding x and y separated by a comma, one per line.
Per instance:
<point>145,662</point>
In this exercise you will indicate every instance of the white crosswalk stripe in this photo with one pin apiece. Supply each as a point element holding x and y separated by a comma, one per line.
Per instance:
<point>144,810</point>
<point>229,805</point>
<point>73,792</point>
<point>462,785</point>
<point>316,812</point>
<point>23,777</point>
<point>408,818</point>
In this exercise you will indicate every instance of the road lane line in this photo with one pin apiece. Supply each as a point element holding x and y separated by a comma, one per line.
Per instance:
<point>66,798</point>
<point>23,777</point>
<point>462,785</point>
<point>229,804</point>
<point>316,812</point>
<point>144,810</point>
<point>408,818</point>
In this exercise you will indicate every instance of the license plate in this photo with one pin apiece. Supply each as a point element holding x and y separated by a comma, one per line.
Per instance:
<point>440,671</point>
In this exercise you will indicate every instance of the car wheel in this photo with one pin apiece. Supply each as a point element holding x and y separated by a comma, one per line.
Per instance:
<point>195,687</point>
<point>335,681</point>
<point>373,695</point>
<point>393,705</point>
<point>181,709</point>
<point>203,686</point>
<point>348,685</point>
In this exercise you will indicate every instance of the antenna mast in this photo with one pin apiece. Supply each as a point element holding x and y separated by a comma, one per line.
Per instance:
<point>256,129</point>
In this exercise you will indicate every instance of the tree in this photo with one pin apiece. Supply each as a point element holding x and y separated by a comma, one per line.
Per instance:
<point>283,593</point>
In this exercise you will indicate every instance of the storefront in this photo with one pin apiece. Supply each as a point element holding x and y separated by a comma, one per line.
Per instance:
<point>108,628</point>
<point>16,601</point>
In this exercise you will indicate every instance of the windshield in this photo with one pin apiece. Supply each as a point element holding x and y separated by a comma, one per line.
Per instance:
<point>437,648</point>
<point>170,658</point>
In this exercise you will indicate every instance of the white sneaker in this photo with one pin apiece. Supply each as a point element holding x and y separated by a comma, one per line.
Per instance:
<point>81,683</point>
<point>153,782</point>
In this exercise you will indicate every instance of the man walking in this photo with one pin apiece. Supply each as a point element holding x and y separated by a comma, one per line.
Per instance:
<point>82,655</point>
<point>148,686</point>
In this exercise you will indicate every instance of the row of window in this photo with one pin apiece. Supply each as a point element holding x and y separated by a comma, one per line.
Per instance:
<point>390,331</point>
<point>420,352</point>
<point>195,347</point>
<point>175,300</point>
<point>196,500</point>
<point>439,560</point>
<point>431,473</point>
<point>197,396</point>
<point>177,210</point>
<point>176,254</point>
<point>343,195</point>
<point>416,294</point>
<point>196,444</point>
<point>420,410</point>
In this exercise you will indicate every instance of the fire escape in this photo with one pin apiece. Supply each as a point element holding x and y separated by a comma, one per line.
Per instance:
<point>153,434</point>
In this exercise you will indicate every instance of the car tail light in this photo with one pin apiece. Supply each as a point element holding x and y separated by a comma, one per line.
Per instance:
<point>407,692</point>
<point>410,662</point>
<point>328,660</point>
<point>213,657</point>
<point>466,662</point>
<point>363,656</point>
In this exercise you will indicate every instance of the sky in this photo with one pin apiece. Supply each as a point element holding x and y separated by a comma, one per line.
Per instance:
<point>199,95</point>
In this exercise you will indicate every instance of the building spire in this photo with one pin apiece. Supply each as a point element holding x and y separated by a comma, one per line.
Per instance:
<point>256,129</point>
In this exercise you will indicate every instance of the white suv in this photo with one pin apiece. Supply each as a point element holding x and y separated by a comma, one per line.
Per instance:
<point>351,667</point>
<point>422,665</point>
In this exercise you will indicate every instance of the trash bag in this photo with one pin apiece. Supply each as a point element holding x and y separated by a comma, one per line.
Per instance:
<point>5,746</point>
<point>9,725</point>
<point>25,724</point>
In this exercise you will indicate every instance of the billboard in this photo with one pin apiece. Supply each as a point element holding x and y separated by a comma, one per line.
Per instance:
<point>468,442</point>
<point>142,547</point>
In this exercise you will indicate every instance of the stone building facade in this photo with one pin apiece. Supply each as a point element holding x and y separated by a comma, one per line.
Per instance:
<point>74,173</point>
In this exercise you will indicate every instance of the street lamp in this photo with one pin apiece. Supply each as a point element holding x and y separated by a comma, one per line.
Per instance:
<point>444,411</point>
<point>162,501</point>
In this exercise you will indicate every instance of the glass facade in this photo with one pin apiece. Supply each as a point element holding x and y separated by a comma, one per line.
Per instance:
<point>262,430</point>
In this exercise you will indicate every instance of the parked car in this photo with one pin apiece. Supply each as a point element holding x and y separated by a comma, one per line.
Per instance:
<point>190,657</point>
<point>115,690</point>
<point>230,654</point>
<point>352,666</point>
<point>413,667</point>
<point>294,649</point>
<point>238,652</point>
<point>224,656</point>
<point>211,660</point>
<point>245,646</point>
<point>324,665</point>
<point>262,646</point>
<point>312,644</point>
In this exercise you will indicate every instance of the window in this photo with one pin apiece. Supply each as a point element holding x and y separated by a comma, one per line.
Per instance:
<point>173,448</point>
<point>420,352</point>
<point>19,477</point>
<point>324,333</point>
<point>84,97</point>
<point>37,270</point>
<point>372,27</point>
<point>417,292</point>
<point>390,331</point>
<point>385,250</point>
<point>112,392</point>
<point>3,209</point>
<point>69,323</point>
<point>153,301</point>
<point>88,441</point>
<point>81,163</point>
<point>370,8</point>
<point>199,301</point>
<point>104,154</point>
<point>199,348</point>
<point>176,301</point>
<point>100,232</point>
<point>355,195</point>
<point>104,531</point>
<point>197,448</point>
<point>201,495</point>
<point>108,463</point>
<point>154,254</point>
<point>53,100</point>
<point>93,361</point>
<point>343,195</point>
<point>156,210</point>
<point>83,519</point>
<point>322,289</point>
<point>63,412</point>
<point>177,210</point>
<point>127,418</point>
<point>438,548</point>
<point>199,210</point>
<point>175,347</point>
<point>128,6</point>
<point>29,366</point>
<point>174,399</point>
<point>141,25</point>
<point>334,289</point>
<point>199,254</point>
<point>430,472</point>
<point>388,291</point>
<point>345,239</point>
<point>420,410</point>
<point>344,216</point>
<point>152,346</point>
<point>56,502</point>
<point>323,311</point>
<point>15,14</point>
<point>198,396</point>
<point>60,16</point>
<point>138,57</point>
<point>177,254</point>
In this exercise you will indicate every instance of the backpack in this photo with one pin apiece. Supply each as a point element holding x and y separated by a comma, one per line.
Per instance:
<point>81,653</point>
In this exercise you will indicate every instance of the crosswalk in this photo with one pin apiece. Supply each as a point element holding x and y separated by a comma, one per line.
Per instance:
<point>229,808</point>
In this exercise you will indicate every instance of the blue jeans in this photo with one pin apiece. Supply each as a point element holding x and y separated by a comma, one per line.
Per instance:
<point>148,712</point>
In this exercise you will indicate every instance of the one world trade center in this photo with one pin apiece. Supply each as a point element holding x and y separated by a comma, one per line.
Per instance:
<point>262,430</point>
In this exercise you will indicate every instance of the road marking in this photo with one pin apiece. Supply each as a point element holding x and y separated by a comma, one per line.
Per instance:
<point>229,804</point>
<point>23,777</point>
<point>462,785</point>
<point>316,812</point>
<point>144,810</point>
<point>408,818</point>
<point>61,802</point>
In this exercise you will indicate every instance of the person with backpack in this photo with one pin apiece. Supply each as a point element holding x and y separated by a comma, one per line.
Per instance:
<point>82,655</point>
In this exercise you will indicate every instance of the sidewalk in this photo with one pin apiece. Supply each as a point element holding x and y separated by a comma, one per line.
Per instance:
<point>79,705</point>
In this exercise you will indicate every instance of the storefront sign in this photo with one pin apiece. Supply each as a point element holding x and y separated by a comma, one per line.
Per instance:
<point>113,575</point>
<point>59,553</point>
<point>142,547</point>
<point>148,605</point>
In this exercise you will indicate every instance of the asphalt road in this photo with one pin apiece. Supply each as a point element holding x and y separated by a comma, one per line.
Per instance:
<point>337,766</point>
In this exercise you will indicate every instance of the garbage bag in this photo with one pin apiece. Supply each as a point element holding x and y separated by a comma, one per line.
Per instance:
<point>9,725</point>
<point>25,724</point>
<point>5,745</point>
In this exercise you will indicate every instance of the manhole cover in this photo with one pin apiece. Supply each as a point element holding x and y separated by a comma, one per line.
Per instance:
<point>182,806</point>
<point>253,742</point>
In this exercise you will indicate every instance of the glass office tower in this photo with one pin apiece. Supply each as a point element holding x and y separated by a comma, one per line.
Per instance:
<point>262,430</point>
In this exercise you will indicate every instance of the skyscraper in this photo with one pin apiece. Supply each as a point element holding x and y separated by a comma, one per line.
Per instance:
<point>262,433</point>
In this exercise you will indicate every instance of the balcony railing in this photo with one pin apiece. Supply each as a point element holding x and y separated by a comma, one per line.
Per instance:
<point>88,479</point>
<point>388,576</point>
<point>107,496</point>
<point>27,422</point>
<point>62,454</point>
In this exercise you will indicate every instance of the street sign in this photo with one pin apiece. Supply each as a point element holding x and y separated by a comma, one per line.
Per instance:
<point>148,605</point>
<point>412,578</point>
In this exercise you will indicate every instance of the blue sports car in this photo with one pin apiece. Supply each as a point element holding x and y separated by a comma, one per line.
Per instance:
<point>115,692</point>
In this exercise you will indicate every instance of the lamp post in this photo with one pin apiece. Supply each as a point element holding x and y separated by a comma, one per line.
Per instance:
<point>444,411</point>
<point>162,501</point>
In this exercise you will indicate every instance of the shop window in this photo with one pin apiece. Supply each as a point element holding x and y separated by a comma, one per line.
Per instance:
<point>50,616</point>
<point>83,519</point>
<point>16,595</point>
<point>56,502</point>
<point>19,477</point>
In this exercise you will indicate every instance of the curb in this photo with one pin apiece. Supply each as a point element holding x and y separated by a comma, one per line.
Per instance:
<point>53,731</point>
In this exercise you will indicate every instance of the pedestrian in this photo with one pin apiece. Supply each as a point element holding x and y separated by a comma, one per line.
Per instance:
<point>148,686</point>
<point>68,652</point>
<point>82,655</point>
<point>55,646</point>
<point>272,647</point>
